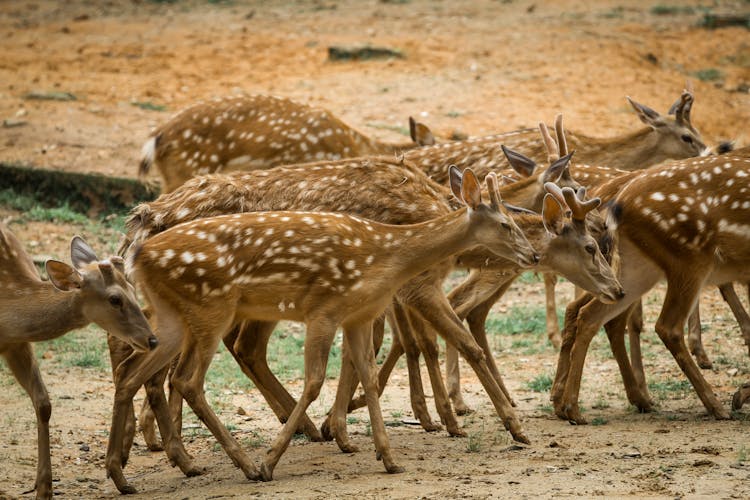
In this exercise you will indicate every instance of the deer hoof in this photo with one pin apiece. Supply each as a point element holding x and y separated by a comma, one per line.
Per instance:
<point>395,469</point>
<point>127,489</point>
<point>737,400</point>
<point>266,472</point>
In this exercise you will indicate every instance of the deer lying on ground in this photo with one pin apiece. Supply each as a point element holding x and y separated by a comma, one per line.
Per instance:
<point>254,133</point>
<point>33,310</point>
<point>662,139</point>
<point>348,187</point>
<point>686,221</point>
<point>325,269</point>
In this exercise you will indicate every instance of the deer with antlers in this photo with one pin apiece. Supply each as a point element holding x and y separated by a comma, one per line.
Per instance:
<point>686,222</point>
<point>32,310</point>
<point>663,138</point>
<point>257,132</point>
<point>356,239</point>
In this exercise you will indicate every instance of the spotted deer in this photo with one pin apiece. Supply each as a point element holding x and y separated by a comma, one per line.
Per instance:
<point>280,188</point>
<point>663,138</point>
<point>32,310</point>
<point>336,236</point>
<point>347,190</point>
<point>257,132</point>
<point>684,221</point>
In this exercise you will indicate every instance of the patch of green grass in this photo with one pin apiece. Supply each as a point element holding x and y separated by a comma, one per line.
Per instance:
<point>709,74</point>
<point>352,420</point>
<point>598,421</point>
<point>85,348</point>
<point>672,10</point>
<point>474,442</point>
<point>547,408</point>
<point>397,414</point>
<point>254,440</point>
<point>148,105</point>
<point>600,404</point>
<point>742,454</point>
<point>541,383</point>
<point>519,320</point>
<point>530,277</point>
<point>662,389</point>
<point>615,13</point>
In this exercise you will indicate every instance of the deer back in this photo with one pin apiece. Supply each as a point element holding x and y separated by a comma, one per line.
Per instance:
<point>692,210</point>
<point>253,132</point>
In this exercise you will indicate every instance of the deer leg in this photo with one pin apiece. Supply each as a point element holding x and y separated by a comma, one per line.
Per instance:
<point>434,309</point>
<point>553,326</point>
<point>249,345</point>
<point>635,327</point>
<point>680,298</point>
<point>189,376</point>
<point>335,423</point>
<point>394,354</point>
<point>318,342</point>
<point>23,365</point>
<point>130,375</point>
<point>427,341</point>
<point>743,319</point>
<point>563,359</point>
<point>359,338</point>
<point>694,338</point>
<point>615,329</point>
<point>406,338</point>
<point>739,398</point>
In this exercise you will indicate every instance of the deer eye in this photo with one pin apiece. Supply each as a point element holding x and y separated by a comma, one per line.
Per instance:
<point>115,301</point>
<point>505,226</point>
<point>591,249</point>
<point>687,139</point>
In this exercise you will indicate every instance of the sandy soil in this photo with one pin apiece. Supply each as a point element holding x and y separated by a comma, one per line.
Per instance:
<point>477,67</point>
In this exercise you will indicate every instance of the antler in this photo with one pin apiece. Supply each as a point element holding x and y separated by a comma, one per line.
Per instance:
<point>681,107</point>
<point>562,144</point>
<point>492,188</point>
<point>555,191</point>
<point>579,207</point>
<point>553,152</point>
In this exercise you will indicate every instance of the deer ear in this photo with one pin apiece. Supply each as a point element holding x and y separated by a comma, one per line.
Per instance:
<point>471,192</point>
<point>646,114</point>
<point>80,253</point>
<point>455,177</point>
<point>557,169</point>
<point>420,133</point>
<point>523,165</point>
<point>553,216</point>
<point>63,276</point>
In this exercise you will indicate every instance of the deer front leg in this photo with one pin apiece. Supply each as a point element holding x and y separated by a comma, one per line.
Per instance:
<point>426,339</point>
<point>553,326</point>
<point>635,327</point>
<point>21,361</point>
<point>359,338</point>
<point>318,342</point>
<point>405,333</point>
<point>615,329</point>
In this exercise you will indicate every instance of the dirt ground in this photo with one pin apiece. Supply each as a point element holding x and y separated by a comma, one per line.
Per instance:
<point>477,67</point>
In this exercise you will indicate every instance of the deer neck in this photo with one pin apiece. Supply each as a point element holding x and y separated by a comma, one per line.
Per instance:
<point>633,151</point>
<point>424,245</point>
<point>61,312</point>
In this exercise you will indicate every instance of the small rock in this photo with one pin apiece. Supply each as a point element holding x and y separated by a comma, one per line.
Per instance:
<point>702,462</point>
<point>241,411</point>
<point>84,447</point>
<point>732,372</point>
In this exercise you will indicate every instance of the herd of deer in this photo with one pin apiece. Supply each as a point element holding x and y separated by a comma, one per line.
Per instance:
<point>357,239</point>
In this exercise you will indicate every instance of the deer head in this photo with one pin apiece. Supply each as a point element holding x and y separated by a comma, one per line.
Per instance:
<point>106,297</point>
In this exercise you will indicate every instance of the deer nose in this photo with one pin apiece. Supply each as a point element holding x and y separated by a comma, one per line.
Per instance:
<point>536,258</point>
<point>620,293</point>
<point>152,342</point>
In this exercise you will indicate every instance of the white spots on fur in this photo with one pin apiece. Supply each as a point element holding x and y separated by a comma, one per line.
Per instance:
<point>657,196</point>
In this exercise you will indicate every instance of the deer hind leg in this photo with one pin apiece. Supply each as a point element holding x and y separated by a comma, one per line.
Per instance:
<point>743,319</point>
<point>198,349</point>
<point>359,338</point>
<point>563,358</point>
<point>680,298</point>
<point>248,343</point>
<point>635,327</point>
<point>335,422</point>
<point>553,325</point>
<point>318,342</point>
<point>21,361</point>
<point>615,329</point>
